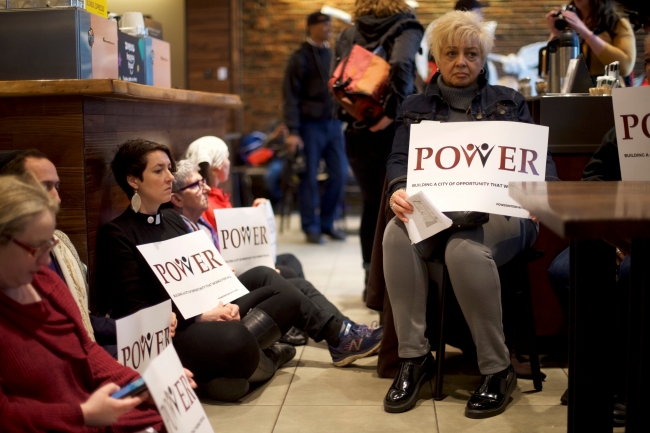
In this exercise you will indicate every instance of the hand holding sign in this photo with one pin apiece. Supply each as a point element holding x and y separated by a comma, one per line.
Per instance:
<point>193,272</point>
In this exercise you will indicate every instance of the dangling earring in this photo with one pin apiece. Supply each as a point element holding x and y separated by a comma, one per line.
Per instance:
<point>136,202</point>
<point>482,71</point>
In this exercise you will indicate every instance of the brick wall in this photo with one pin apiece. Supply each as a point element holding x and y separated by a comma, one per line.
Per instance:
<point>273,29</point>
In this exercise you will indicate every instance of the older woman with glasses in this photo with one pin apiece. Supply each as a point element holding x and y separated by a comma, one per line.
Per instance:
<point>53,377</point>
<point>459,92</point>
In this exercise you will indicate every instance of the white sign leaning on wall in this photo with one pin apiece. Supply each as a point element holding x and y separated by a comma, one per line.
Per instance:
<point>632,120</point>
<point>244,237</point>
<point>175,399</point>
<point>193,272</point>
<point>142,336</point>
<point>466,166</point>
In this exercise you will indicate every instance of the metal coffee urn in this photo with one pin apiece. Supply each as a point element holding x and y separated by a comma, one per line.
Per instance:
<point>554,59</point>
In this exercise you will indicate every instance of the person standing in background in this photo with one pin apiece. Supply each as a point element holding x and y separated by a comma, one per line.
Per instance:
<point>308,113</point>
<point>604,36</point>
<point>368,146</point>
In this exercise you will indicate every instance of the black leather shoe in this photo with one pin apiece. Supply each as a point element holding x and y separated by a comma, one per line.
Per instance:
<point>492,395</point>
<point>335,234</point>
<point>315,238</point>
<point>405,390</point>
<point>295,337</point>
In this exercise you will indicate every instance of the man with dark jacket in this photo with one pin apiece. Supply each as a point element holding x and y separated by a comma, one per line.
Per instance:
<point>308,113</point>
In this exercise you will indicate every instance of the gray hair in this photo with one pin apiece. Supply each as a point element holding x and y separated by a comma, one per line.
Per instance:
<point>184,169</point>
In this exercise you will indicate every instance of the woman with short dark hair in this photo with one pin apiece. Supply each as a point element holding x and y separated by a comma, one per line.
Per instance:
<point>227,347</point>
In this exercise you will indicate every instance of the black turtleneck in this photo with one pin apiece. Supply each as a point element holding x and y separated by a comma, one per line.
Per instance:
<point>125,283</point>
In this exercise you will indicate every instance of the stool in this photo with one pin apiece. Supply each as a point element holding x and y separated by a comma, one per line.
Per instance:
<point>519,263</point>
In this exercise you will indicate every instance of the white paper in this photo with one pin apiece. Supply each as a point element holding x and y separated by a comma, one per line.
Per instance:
<point>142,336</point>
<point>632,120</point>
<point>193,272</point>
<point>244,237</point>
<point>426,220</point>
<point>466,166</point>
<point>273,231</point>
<point>175,399</point>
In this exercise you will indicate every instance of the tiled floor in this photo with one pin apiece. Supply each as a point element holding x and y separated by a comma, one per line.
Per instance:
<point>311,395</point>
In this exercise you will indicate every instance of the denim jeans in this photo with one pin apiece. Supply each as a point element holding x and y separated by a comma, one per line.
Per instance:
<point>323,140</point>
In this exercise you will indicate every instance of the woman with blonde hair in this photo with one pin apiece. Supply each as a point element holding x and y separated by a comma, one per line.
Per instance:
<point>458,92</point>
<point>368,145</point>
<point>53,377</point>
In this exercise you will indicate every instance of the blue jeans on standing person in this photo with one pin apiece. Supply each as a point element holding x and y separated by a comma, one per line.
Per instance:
<point>323,139</point>
<point>274,171</point>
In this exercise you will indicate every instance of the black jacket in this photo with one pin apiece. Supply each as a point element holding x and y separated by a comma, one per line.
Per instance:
<point>604,164</point>
<point>491,103</point>
<point>400,50</point>
<point>306,96</point>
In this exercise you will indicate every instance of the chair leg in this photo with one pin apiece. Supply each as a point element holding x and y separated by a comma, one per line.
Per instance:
<point>440,353</point>
<point>532,346</point>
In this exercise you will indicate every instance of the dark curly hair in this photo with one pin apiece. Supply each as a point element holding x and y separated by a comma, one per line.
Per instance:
<point>602,17</point>
<point>131,160</point>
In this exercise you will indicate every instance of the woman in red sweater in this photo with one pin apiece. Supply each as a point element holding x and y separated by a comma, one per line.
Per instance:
<point>52,376</point>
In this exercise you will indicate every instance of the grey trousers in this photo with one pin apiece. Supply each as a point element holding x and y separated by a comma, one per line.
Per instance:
<point>472,257</point>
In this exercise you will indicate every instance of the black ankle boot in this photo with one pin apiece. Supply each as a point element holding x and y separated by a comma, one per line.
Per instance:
<point>270,360</point>
<point>224,388</point>
<point>264,328</point>
<point>405,390</point>
<point>295,337</point>
<point>492,395</point>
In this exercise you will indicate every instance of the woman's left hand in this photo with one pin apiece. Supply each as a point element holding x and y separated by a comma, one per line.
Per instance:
<point>576,23</point>
<point>259,201</point>
<point>173,325</point>
<point>382,124</point>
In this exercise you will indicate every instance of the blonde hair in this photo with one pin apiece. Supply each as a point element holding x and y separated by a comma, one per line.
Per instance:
<point>457,26</point>
<point>379,8</point>
<point>21,198</point>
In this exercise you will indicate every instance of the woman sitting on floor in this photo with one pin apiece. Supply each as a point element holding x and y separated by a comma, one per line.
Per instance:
<point>53,377</point>
<point>459,92</point>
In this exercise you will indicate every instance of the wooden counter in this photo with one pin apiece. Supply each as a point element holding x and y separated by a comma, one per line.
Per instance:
<point>79,124</point>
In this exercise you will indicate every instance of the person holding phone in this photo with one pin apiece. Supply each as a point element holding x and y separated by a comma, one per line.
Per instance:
<point>53,377</point>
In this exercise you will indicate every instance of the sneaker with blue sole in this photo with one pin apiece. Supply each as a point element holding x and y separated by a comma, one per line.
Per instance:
<point>356,342</point>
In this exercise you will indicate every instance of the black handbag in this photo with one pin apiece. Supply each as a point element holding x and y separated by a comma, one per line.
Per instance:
<point>467,219</point>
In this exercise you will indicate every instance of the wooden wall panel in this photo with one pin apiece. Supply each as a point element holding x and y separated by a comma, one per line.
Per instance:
<point>54,126</point>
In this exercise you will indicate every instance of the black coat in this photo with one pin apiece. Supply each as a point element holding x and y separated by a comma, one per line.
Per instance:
<point>306,96</point>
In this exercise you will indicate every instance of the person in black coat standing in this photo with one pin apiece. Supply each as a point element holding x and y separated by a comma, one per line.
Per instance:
<point>309,115</point>
<point>368,145</point>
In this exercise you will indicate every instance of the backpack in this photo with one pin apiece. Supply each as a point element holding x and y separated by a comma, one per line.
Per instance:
<point>360,80</point>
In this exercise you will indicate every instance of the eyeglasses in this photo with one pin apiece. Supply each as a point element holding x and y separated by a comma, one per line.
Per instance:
<point>199,183</point>
<point>40,250</point>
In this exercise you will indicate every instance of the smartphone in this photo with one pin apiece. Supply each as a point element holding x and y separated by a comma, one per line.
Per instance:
<point>132,389</point>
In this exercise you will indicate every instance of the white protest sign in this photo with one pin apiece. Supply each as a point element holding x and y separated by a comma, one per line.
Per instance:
<point>425,220</point>
<point>466,166</point>
<point>632,120</point>
<point>244,237</point>
<point>193,272</point>
<point>273,231</point>
<point>175,399</point>
<point>142,336</point>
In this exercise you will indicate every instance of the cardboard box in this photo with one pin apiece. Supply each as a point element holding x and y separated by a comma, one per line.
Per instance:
<point>56,43</point>
<point>131,60</point>
<point>154,28</point>
<point>161,63</point>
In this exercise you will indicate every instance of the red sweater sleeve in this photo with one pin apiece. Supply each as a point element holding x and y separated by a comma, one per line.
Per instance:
<point>23,415</point>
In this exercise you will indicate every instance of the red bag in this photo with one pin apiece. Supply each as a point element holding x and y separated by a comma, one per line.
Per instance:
<point>359,83</point>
